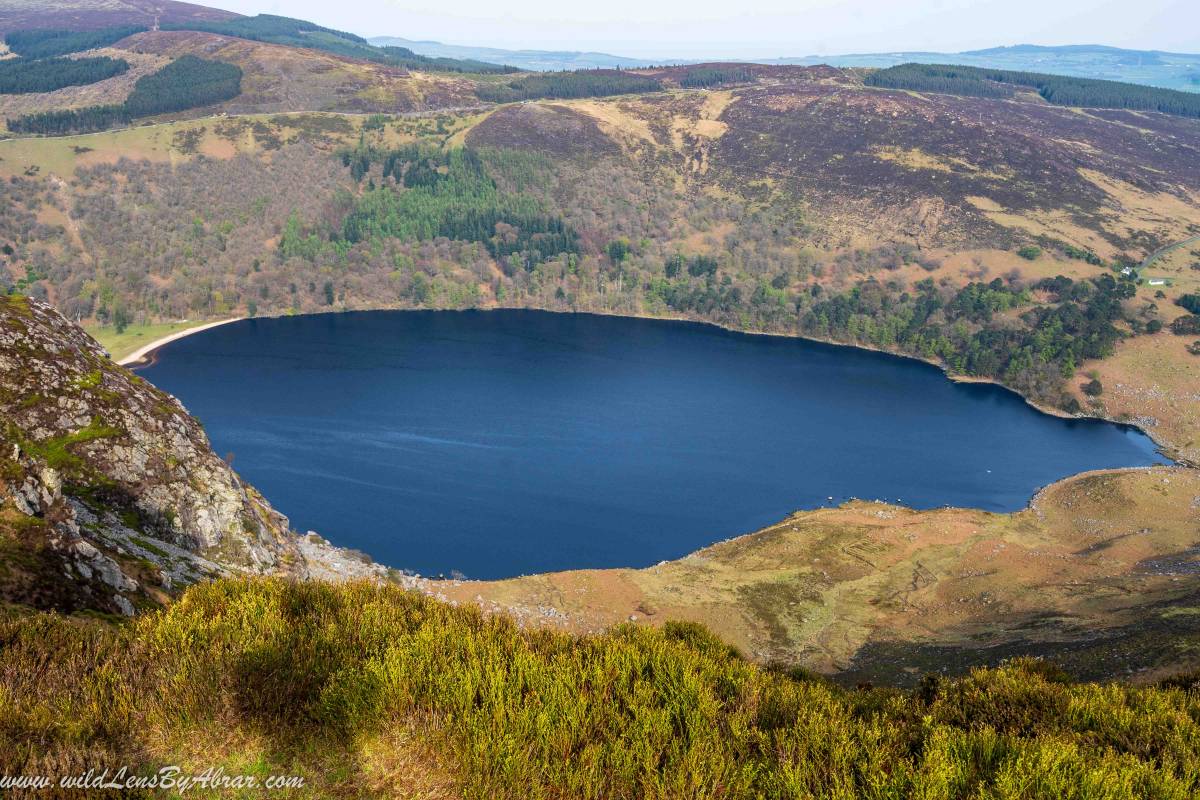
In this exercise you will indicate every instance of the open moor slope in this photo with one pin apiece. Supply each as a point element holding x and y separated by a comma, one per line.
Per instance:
<point>89,14</point>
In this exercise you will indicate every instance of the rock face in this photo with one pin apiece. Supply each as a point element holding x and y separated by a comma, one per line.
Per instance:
<point>110,495</point>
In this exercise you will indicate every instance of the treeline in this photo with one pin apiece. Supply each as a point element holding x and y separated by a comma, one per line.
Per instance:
<point>936,78</point>
<point>696,266</point>
<point>1057,89</point>
<point>1189,302</point>
<point>568,85</point>
<point>267,28</point>
<point>79,120</point>
<point>275,29</point>
<point>403,57</point>
<point>427,194</point>
<point>47,42</point>
<point>963,332</point>
<point>704,77</point>
<point>21,76</point>
<point>187,82</point>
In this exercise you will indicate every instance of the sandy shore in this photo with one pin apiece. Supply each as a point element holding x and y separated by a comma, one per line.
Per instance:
<point>142,354</point>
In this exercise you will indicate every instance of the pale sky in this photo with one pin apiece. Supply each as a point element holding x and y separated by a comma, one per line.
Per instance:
<point>755,28</point>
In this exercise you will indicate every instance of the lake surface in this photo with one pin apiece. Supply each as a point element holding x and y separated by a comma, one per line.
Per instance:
<point>508,442</point>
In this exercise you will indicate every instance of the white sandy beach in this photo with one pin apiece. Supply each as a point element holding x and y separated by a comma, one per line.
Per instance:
<point>139,355</point>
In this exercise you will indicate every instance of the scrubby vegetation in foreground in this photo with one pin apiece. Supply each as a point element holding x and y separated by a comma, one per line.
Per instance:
<point>317,679</point>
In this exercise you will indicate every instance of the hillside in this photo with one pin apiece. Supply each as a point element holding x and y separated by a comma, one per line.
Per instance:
<point>1098,575</point>
<point>363,691</point>
<point>783,199</point>
<point>157,612</point>
<point>282,78</point>
<point>274,78</point>
<point>108,482</point>
<point>90,14</point>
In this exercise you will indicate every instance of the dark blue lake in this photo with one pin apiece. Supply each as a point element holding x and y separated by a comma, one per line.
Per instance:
<point>509,442</point>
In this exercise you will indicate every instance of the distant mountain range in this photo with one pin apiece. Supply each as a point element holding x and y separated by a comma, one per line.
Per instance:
<point>535,60</point>
<point>1149,67</point>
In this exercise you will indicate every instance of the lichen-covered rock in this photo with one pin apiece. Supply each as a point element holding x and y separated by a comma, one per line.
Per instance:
<point>108,484</point>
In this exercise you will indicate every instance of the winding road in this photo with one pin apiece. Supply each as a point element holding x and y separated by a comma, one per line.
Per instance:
<point>1164,250</point>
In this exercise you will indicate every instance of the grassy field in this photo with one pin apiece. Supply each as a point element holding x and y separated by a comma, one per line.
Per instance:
<point>367,691</point>
<point>120,345</point>
<point>220,137</point>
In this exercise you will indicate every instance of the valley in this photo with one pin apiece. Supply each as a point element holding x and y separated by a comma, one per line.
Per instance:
<point>783,199</point>
<point>445,311</point>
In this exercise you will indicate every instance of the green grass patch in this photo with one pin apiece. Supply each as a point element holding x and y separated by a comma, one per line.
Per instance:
<point>147,546</point>
<point>122,344</point>
<point>56,452</point>
<point>89,381</point>
<point>15,304</point>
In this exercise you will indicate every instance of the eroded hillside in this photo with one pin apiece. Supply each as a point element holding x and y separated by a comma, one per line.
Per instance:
<point>110,497</point>
<point>932,171</point>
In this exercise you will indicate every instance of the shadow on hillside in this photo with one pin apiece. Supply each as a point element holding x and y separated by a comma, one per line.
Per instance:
<point>1162,638</point>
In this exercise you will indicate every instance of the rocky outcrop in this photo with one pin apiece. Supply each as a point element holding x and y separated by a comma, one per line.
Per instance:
<point>110,495</point>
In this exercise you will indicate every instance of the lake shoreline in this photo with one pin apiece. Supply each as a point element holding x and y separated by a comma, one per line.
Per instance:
<point>144,355</point>
<point>1163,448</point>
<point>292,350</point>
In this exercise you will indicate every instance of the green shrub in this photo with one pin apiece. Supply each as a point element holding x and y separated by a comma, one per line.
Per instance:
<point>534,714</point>
<point>1188,325</point>
<point>1189,302</point>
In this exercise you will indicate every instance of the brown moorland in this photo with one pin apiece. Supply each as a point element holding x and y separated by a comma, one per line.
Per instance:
<point>89,14</point>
